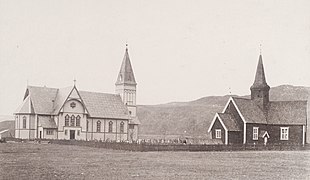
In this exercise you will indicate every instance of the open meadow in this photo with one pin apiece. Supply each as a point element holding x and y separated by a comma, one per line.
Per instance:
<point>52,161</point>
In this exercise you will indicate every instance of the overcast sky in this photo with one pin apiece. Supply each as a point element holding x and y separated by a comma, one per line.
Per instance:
<point>180,50</point>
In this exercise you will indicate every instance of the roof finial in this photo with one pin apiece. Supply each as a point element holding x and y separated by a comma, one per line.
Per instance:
<point>74,81</point>
<point>260,49</point>
<point>126,46</point>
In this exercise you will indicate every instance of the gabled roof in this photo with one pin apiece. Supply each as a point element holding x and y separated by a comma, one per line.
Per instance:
<point>260,79</point>
<point>26,107</point>
<point>250,110</point>
<point>42,98</point>
<point>229,122</point>
<point>104,105</point>
<point>134,120</point>
<point>61,97</point>
<point>46,122</point>
<point>126,75</point>
<point>48,101</point>
<point>287,112</point>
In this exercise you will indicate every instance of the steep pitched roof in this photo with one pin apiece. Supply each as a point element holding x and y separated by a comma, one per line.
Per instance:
<point>287,112</point>
<point>260,79</point>
<point>61,97</point>
<point>229,122</point>
<point>26,107</point>
<point>42,99</point>
<point>134,120</point>
<point>250,111</point>
<point>49,101</point>
<point>46,122</point>
<point>126,75</point>
<point>104,105</point>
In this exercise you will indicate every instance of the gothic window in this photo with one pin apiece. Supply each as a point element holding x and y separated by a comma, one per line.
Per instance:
<point>66,132</point>
<point>78,118</point>
<point>110,126</point>
<point>122,127</point>
<point>67,120</point>
<point>87,124</point>
<point>78,132</point>
<point>98,126</point>
<point>72,122</point>
<point>24,122</point>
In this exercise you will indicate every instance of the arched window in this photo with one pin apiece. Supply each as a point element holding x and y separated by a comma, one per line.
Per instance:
<point>78,120</point>
<point>24,122</point>
<point>72,123</point>
<point>67,120</point>
<point>121,127</point>
<point>110,126</point>
<point>87,124</point>
<point>98,126</point>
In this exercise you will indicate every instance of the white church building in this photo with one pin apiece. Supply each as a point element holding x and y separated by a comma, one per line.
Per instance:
<point>68,113</point>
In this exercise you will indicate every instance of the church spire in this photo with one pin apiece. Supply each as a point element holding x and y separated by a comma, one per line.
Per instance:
<point>260,88</point>
<point>126,75</point>
<point>260,78</point>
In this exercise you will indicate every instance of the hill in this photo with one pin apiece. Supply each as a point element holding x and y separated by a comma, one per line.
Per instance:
<point>194,117</point>
<point>190,118</point>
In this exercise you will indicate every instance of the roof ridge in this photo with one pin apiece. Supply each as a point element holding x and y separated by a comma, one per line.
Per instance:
<point>100,93</point>
<point>290,101</point>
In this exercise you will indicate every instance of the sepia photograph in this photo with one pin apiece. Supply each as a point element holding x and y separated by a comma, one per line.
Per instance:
<point>157,89</point>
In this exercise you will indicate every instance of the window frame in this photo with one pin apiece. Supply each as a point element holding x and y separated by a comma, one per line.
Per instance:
<point>255,134</point>
<point>282,134</point>
<point>72,120</point>
<point>49,132</point>
<point>218,133</point>
<point>98,128</point>
<point>121,127</point>
<point>78,120</point>
<point>24,122</point>
<point>110,130</point>
<point>67,122</point>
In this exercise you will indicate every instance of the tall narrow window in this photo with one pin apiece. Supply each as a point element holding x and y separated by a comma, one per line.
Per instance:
<point>218,134</point>
<point>67,120</point>
<point>255,133</point>
<point>110,126</point>
<point>87,124</point>
<point>24,122</point>
<point>98,126</point>
<point>284,133</point>
<point>72,123</point>
<point>121,127</point>
<point>78,118</point>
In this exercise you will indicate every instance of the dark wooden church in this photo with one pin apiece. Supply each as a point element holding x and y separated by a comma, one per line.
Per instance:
<point>258,120</point>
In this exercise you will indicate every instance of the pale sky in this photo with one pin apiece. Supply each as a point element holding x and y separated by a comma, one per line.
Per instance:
<point>180,50</point>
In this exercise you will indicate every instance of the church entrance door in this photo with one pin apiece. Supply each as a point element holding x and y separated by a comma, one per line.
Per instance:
<point>72,134</point>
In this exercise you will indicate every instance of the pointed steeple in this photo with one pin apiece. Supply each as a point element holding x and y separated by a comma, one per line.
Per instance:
<point>126,75</point>
<point>260,88</point>
<point>260,79</point>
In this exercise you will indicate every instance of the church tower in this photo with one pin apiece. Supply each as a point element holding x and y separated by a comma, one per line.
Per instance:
<point>126,84</point>
<point>260,88</point>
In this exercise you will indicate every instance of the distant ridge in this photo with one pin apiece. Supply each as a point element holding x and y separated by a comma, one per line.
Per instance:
<point>190,118</point>
<point>194,117</point>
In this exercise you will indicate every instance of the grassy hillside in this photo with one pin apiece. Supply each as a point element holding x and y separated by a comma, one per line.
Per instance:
<point>194,117</point>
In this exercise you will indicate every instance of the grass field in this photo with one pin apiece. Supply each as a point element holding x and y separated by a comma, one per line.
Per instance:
<point>51,161</point>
